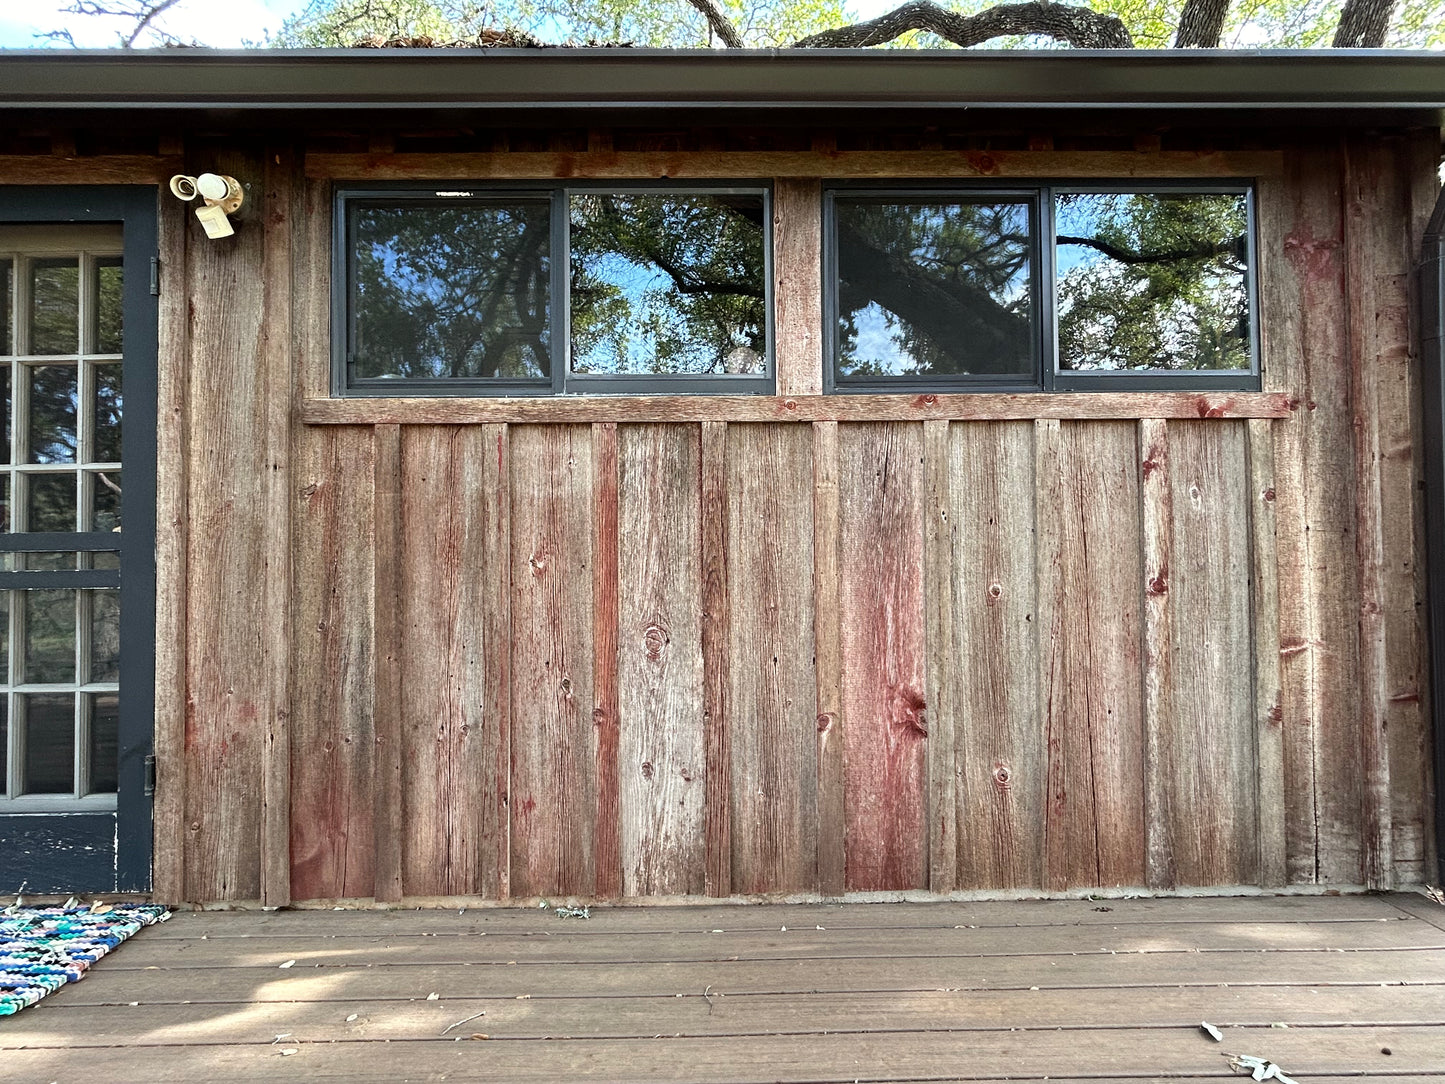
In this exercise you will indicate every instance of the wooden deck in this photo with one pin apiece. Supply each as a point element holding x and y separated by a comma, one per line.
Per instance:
<point>1081,989</point>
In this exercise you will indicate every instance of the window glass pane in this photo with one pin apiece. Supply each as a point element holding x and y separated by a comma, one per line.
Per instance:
<point>7,306</point>
<point>105,635</point>
<point>49,744</point>
<point>103,717</point>
<point>107,305</point>
<point>105,445</point>
<point>105,501</point>
<point>4,504</point>
<point>49,636</point>
<point>105,559</point>
<point>50,562</point>
<point>51,505</point>
<point>4,744</point>
<point>9,410</point>
<point>55,306</point>
<point>449,290</point>
<point>1152,280</point>
<point>668,284</point>
<point>4,643</point>
<point>54,399</point>
<point>933,288</point>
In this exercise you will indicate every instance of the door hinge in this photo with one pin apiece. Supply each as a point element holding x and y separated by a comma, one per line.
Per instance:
<point>155,276</point>
<point>150,787</point>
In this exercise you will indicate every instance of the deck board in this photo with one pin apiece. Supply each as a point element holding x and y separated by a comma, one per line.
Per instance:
<point>882,992</point>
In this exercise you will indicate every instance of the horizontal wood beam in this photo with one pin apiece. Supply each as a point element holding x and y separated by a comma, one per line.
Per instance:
<point>96,169</point>
<point>802,408</point>
<point>715,165</point>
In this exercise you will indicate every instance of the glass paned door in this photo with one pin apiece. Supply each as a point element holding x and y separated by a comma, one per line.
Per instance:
<point>61,509</point>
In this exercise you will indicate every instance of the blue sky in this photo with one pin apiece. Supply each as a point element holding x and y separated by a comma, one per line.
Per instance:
<point>218,23</point>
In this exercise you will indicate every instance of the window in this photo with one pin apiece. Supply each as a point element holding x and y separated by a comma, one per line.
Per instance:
<point>1066,287</point>
<point>547,290</point>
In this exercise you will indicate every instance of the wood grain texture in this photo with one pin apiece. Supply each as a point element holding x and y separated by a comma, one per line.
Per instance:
<point>333,675</point>
<point>1156,492</point>
<point>168,861</point>
<point>941,813</point>
<point>772,682</point>
<point>227,488</point>
<point>797,408</point>
<point>453,555</point>
<point>717,672</point>
<point>714,165</point>
<point>281,183</point>
<point>1268,721</point>
<point>880,487</point>
<point>662,752</point>
<point>89,169</point>
<point>1209,739</point>
<point>608,845</point>
<point>798,286</point>
<point>554,778</point>
<point>1090,653</point>
<point>1365,174</point>
<point>828,660</point>
<point>388,732</point>
<point>994,676</point>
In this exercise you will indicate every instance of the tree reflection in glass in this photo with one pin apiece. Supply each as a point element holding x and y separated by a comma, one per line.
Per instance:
<point>933,287</point>
<point>54,406</point>
<point>450,290</point>
<point>667,283</point>
<point>1153,280</point>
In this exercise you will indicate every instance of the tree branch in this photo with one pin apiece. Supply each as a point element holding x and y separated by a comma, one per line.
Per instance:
<point>721,25</point>
<point>145,20</point>
<point>1202,250</point>
<point>1080,27</point>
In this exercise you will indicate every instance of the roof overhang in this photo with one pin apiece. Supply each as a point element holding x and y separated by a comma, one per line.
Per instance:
<point>1253,86</point>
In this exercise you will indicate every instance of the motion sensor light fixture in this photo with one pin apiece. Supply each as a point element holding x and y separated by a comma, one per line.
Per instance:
<point>221,195</point>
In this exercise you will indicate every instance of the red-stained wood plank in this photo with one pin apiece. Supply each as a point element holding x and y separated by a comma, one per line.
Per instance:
<point>828,660</point>
<point>772,684</point>
<point>880,485</point>
<point>716,671</point>
<point>662,753</point>
<point>999,754</point>
<point>1264,584</point>
<point>1209,734</point>
<point>554,783</point>
<point>451,726</point>
<point>1156,492</point>
<point>1090,652</point>
<point>332,673</point>
<point>386,788</point>
<point>940,659</point>
<point>608,845</point>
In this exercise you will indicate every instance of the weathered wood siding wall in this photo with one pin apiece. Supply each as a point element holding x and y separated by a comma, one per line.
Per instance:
<point>799,644</point>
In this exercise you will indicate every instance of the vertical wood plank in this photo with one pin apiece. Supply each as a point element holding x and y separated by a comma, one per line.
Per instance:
<point>938,566</point>
<point>604,661</point>
<point>880,485</point>
<point>387,790</point>
<point>798,285</point>
<point>281,180</point>
<point>661,745</point>
<point>772,682</point>
<point>994,674</point>
<point>227,495</point>
<point>554,777</point>
<point>451,719</point>
<point>497,631</point>
<point>1362,176</point>
<point>716,672</point>
<point>828,660</point>
<point>1157,520</point>
<point>332,578</point>
<point>168,861</point>
<point>1089,556</point>
<point>1209,738</point>
<point>1264,586</point>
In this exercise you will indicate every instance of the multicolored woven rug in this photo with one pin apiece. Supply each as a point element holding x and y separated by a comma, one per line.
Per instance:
<point>43,948</point>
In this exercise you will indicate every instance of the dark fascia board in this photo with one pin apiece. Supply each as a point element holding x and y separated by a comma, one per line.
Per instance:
<point>780,80</point>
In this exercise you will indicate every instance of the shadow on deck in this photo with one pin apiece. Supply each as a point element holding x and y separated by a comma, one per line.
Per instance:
<point>1100,990</point>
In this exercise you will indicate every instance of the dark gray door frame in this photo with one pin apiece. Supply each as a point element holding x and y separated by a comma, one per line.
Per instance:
<point>134,207</point>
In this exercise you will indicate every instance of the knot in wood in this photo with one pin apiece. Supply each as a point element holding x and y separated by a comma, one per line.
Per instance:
<point>1196,495</point>
<point>825,722</point>
<point>647,769</point>
<point>655,640</point>
<point>1269,494</point>
<point>538,562</point>
<point>1001,776</point>
<point>1159,585</point>
<point>995,590</point>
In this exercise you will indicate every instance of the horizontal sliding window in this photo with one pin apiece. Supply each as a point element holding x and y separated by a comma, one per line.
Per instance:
<point>552,289</point>
<point>1054,287</point>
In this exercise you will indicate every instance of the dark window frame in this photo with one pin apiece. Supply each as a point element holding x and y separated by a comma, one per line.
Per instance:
<point>562,380</point>
<point>1047,376</point>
